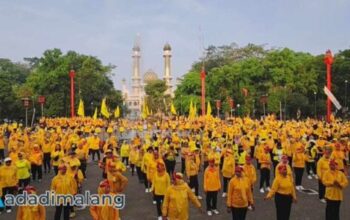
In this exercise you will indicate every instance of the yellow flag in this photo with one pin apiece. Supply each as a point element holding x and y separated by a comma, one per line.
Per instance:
<point>195,111</point>
<point>81,111</point>
<point>172,109</point>
<point>104,109</point>
<point>117,112</point>
<point>208,109</point>
<point>95,114</point>
<point>144,111</point>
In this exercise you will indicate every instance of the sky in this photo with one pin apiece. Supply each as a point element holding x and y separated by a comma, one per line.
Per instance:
<point>107,29</point>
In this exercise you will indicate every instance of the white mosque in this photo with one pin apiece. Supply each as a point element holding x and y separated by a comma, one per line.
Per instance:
<point>134,99</point>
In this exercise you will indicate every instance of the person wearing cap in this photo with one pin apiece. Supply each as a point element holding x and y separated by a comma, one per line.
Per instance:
<point>250,171</point>
<point>32,212</point>
<point>117,181</point>
<point>160,183</point>
<point>239,195</point>
<point>57,155</point>
<point>63,184</point>
<point>228,169</point>
<point>104,212</point>
<point>9,179</point>
<point>335,182</point>
<point>265,167</point>
<point>322,167</point>
<point>177,196</point>
<point>36,161</point>
<point>211,186</point>
<point>192,170</point>
<point>23,171</point>
<point>94,146</point>
<point>284,191</point>
<point>152,168</point>
<point>338,155</point>
<point>299,160</point>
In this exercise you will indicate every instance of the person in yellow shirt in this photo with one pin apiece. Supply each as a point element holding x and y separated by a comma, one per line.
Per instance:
<point>94,146</point>
<point>170,159</point>
<point>9,180</point>
<point>284,191</point>
<point>192,173</point>
<point>46,148</point>
<point>228,169</point>
<point>265,167</point>
<point>175,204</point>
<point>2,146</point>
<point>36,161</point>
<point>322,167</point>
<point>335,182</point>
<point>160,183</point>
<point>37,212</point>
<point>299,159</point>
<point>124,153</point>
<point>211,186</point>
<point>57,155</point>
<point>82,155</point>
<point>239,195</point>
<point>133,157</point>
<point>250,171</point>
<point>147,157</point>
<point>63,184</point>
<point>184,151</point>
<point>23,171</point>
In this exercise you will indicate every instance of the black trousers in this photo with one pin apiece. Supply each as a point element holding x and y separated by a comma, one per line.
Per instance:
<point>283,205</point>
<point>55,169</point>
<point>225,180</point>
<point>23,182</point>
<point>264,177</point>
<point>183,165</point>
<point>47,162</point>
<point>2,154</point>
<point>94,152</point>
<point>147,185</point>
<point>170,166</point>
<point>298,175</point>
<point>83,167</point>
<point>211,200</point>
<point>310,166</point>
<point>125,160</point>
<point>66,211</point>
<point>321,189</point>
<point>159,200</point>
<point>132,166</point>
<point>8,191</point>
<point>139,174</point>
<point>37,171</point>
<point>332,210</point>
<point>205,165</point>
<point>239,213</point>
<point>194,183</point>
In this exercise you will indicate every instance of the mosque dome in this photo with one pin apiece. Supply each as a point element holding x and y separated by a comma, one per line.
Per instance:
<point>167,46</point>
<point>149,76</point>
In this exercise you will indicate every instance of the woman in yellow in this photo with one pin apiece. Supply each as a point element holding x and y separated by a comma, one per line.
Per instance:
<point>211,186</point>
<point>335,182</point>
<point>9,180</point>
<point>124,153</point>
<point>265,167</point>
<point>192,173</point>
<point>175,204</point>
<point>322,167</point>
<point>299,159</point>
<point>36,212</point>
<point>36,160</point>
<point>228,169</point>
<point>104,212</point>
<point>160,183</point>
<point>46,148</point>
<point>284,191</point>
<point>133,157</point>
<point>57,155</point>
<point>239,195</point>
<point>250,171</point>
<point>147,157</point>
<point>23,171</point>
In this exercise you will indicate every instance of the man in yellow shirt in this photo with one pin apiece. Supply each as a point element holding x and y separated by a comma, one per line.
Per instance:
<point>9,180</point>
<point>23,171</point>
<point>211,186</point>
<point>94,146</point>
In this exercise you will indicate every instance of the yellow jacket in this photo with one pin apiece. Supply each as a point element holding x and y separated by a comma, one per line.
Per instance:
<point>23,169</point>
<point>191,168</point>
<point>334,192</point>
<point>239,193</point>
<point>299,160</point>
<point>104,213</point>
<point>265,160</point>
<point>63,184</point>
<point>31,213</point>
<point>160,183</point>
<point>133,156</point>
<point>282,185</point>
<point>56,156</point>
<point>250,172</point>
<point>211,179</point>
<point>228,167</point>
<point>124,150</point>
<point>36,158</point>
<point>94,143</point>
<point>8,176</point>
<point>175,204</point>
<point>322,167</point>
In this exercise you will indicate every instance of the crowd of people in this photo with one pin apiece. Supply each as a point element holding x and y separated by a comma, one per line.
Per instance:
<point>229,154</point>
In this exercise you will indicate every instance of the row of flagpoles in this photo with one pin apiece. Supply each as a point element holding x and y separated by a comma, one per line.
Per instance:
<point>104,110</point>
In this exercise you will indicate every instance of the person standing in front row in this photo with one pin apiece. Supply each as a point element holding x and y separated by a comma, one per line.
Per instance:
<point>335,181</point>
<point>284,191</point>
<point>211,186</point>
<point>322,167</point>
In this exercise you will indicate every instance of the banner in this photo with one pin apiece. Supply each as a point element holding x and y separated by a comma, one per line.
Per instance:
<point>332,98</point>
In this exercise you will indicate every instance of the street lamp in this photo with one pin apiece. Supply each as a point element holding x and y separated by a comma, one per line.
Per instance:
<point>92,107</point>
<point>238,105</point>
<point>346,94</point>
<point>315,95</point>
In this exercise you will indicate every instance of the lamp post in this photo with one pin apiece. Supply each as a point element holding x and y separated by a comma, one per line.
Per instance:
<point>232,104</point>
<point>26,101</point>
<point>72,75</point>
<point>346,95</point>
<point>218,106</point>
<point>92,107</point>
<point>328,60</point>
<point>238,105</point>
<point>315,95</point>
<point>41,100</point>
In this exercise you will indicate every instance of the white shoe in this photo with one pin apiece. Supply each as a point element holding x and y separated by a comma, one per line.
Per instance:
<point>297,187</point>
<point>224,195</point>
<point>199,197</point>
<point>250,208</point>
<point>160,218</point>
<point>309,177</point>
<point>262,190</point>
<point>8,211</point>
<point>193,190</point>
<point>209,213</point>
<point>146,190</point>
<point>154,202</point>
<point>315,176</point>
<point>268,189</point>
<point>323,200</point>
<point>301,188</point>
<point>216,212</point>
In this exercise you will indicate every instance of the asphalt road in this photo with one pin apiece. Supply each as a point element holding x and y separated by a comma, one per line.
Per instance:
<point>139,204</point>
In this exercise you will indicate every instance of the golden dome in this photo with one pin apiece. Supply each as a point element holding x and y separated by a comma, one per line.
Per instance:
<point>167,47</point>
<point>149,76</point>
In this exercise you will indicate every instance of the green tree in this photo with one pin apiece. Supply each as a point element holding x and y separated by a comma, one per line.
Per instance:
<point>156,98</point>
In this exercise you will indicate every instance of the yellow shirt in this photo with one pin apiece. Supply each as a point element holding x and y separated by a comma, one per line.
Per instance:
<point>299,160</point>
<point>211,179</point>
<point>94,143</point>
<point>228,167</point>
<point>31,212</point>
<point>334,192</point>
<point>63,184</point>
<point>23,169</point>
<point>239,193</point>
<point>191,168</point>
<point>160,183</point>
<point>8,176</point>
<point>322,167</point>
<point>282,185</point>
<point>250,172</point>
